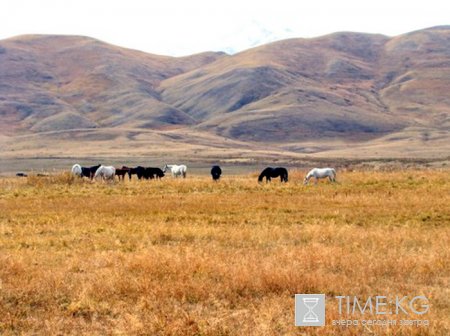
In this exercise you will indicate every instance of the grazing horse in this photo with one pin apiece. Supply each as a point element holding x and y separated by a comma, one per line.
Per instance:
<point>76,170</point>
<point>270,172</point>
<point>318,173</point>
<point>145,172</point>
<point>153,172</point>
<point>176,170</point>
<point>120,172</point>
<point>216,172</point>
<point>134,171</point>
<point>107,173</point>
<point>89,171</point>
<point>139,171</point>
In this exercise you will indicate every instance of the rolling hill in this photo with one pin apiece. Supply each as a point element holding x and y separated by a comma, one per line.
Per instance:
<point>344,94</point>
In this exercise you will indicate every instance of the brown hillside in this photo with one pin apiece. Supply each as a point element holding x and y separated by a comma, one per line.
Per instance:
<point>41,76</point>
<point>343,94</point>
<point>344,85</point>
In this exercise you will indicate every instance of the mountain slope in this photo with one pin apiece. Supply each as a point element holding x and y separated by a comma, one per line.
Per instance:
<point>41,76</point>
<point>338,91</point>
<point>345,85</point>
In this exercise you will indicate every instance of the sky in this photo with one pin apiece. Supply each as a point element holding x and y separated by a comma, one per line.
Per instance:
<point>179,28</point>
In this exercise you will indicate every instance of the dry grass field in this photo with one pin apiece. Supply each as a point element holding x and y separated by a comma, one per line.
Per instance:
<point>193,257</point>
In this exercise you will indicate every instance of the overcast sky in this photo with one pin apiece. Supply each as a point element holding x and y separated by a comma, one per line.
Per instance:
<point>183,27</point>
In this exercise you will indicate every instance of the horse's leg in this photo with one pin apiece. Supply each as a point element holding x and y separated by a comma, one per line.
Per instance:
<point>316,179</point>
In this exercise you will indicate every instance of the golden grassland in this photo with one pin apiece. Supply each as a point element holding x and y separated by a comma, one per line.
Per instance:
<point>193,257</point>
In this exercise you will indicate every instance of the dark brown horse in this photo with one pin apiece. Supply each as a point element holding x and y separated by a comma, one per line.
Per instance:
<point>120,172</point>
<point>145,172</point>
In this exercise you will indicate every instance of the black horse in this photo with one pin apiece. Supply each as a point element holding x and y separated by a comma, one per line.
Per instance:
<point>216,172</point>
<point>139,171</point>
<point>153,172</point>
<point>270,172</point>
<point>145,172</point>
<point>121,172</point>
<point>89,171</point>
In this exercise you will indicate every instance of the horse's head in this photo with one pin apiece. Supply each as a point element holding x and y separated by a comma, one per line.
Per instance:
<point>165,168</point>
<point>305,180</point>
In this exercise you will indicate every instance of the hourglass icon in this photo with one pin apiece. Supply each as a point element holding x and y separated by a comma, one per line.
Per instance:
<point>310,303</point>
<point>309,310</point>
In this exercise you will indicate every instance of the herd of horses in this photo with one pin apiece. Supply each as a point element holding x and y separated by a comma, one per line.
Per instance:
<point>108,173</point>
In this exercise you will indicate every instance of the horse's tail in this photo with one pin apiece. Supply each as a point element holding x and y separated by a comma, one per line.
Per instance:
<point>334,173</point>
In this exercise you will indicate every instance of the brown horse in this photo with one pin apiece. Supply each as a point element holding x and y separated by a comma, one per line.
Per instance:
<point>120,172</point>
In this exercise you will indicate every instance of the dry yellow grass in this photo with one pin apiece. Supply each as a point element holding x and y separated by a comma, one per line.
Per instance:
<point>193,257</point>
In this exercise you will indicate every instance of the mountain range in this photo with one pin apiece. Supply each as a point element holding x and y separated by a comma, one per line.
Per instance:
<point>344,94</point>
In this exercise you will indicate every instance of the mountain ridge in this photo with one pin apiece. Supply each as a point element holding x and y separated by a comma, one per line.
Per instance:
<point>346,87</point>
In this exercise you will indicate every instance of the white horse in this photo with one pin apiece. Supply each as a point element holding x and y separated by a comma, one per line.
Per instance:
<point>76,170</point>
<point>107,173</point>
<point>176,170</point>
<point>318,173</point>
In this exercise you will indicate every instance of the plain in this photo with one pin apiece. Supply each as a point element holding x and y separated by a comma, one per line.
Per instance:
<point>197,257</point>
